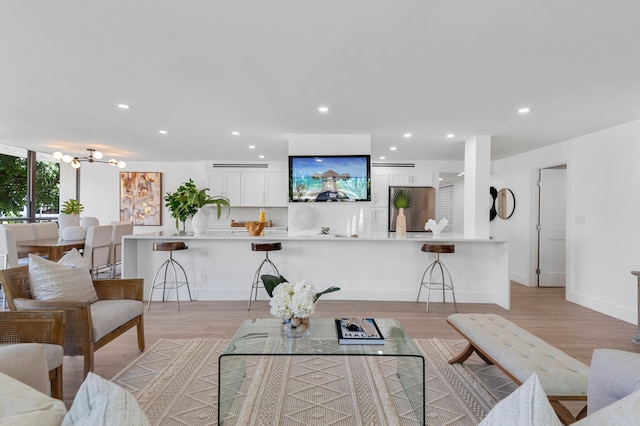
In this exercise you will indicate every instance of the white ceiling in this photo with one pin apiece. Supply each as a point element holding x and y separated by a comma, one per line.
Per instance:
<point>201,69</point>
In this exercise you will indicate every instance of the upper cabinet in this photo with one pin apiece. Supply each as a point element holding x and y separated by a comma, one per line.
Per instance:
<point>264,189</point>
<point>251,188</point>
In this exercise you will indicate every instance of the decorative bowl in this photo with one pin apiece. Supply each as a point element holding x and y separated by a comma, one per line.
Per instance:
<point>255,228</point>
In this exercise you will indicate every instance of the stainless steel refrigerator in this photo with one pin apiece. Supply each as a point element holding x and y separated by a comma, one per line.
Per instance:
<point>423,208</point>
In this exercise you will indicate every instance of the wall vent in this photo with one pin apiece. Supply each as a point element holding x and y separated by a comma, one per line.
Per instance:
<point>240,165</point>
<point>393,164</point>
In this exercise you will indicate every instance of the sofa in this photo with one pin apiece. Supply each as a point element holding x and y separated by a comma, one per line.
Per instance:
<point>613,395</point>
<point>24,402</point>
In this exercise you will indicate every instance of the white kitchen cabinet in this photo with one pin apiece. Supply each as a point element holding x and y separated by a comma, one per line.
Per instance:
<point>380,192</point>
<point>263,189</point>
<point>226,184</point>
<point>411,179</point>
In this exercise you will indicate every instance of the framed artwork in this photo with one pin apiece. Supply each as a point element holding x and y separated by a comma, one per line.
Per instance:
<point>141,198</point>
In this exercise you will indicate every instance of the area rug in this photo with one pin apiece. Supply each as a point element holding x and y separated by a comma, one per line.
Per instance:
<point>175,382</point>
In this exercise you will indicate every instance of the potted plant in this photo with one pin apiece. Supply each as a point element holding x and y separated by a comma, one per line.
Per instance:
<point>401,199</point>
<point>188,201</point>
<point>69,214</point>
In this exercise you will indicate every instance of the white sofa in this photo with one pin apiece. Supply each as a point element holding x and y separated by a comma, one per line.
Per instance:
<point>613,395</point>
<point>24,402</point>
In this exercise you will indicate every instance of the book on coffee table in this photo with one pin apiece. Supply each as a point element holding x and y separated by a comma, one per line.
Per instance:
<point>358,331</point>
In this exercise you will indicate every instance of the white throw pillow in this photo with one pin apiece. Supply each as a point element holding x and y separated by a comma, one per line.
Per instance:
<point>101,402</point>
<point>526,406</point>
<point>68,279</point>
<point>22,405</point>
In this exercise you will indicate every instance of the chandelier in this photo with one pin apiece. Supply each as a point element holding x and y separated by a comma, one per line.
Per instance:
<point>93,157</point>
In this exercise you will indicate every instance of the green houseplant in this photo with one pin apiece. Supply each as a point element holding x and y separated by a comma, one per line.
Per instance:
<point>72,206</point>
<point>188,200</point>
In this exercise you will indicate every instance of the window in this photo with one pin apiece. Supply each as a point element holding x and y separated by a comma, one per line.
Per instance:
<point>445,206</point>
<point>15,178</point>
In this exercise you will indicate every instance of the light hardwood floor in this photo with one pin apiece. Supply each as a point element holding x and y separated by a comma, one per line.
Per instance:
<point>543,311</point>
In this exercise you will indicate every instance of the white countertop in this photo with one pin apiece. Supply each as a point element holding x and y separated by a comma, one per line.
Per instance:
<point>242,234</point>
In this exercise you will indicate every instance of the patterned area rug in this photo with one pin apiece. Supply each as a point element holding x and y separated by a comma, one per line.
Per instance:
<point>176,383</point>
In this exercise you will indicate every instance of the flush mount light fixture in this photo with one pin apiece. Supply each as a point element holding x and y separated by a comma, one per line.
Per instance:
<point>450,135</point>
<point>323,109</point>
<point>93,157</point>
<point>123,106</point>
<point>524,110</point>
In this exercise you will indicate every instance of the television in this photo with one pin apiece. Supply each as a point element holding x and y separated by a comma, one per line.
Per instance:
<point>326,178</point>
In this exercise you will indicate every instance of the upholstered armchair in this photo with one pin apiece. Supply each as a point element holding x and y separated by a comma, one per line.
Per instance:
<point>88,325</point>
<point>43,328</point>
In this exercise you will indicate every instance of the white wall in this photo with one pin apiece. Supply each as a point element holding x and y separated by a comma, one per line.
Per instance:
<point>602,174</point>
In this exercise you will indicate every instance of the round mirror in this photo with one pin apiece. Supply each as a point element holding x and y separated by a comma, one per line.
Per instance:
<point>505,203</point>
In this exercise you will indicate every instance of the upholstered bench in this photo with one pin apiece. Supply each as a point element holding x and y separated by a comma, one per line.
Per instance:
<point>519,354</point>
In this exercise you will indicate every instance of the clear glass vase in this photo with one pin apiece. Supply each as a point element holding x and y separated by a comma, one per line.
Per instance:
<point>295,327</point>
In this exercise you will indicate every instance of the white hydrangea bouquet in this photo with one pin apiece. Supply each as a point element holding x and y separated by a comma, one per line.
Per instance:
<point>294,303</point>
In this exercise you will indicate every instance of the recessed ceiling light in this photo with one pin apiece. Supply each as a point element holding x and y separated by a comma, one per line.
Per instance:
<point>252,147</point>
<point>407,135</point>
<point>440,179</point>
<point>523,110</point>
<point>393,148</point>
<point>460,174</point>
<point>163,132</point>
<point>235,133</point>
<point>323,109</point>
<point>450,135</point>
<point>382,157</point>
<point>123,106</point>
<point>260,156</point>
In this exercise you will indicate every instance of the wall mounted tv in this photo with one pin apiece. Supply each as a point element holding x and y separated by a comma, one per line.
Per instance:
<point>320,178</point>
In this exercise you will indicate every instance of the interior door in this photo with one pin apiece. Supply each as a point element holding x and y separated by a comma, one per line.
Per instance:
<point>552,228</point>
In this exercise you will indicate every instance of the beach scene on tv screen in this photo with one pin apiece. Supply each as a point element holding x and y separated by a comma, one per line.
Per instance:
<point>329,178</point>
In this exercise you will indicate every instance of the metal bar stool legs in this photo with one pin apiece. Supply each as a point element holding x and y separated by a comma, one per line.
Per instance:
<point>255,285</point>
<point>176,268</point>
<point>440,269</point>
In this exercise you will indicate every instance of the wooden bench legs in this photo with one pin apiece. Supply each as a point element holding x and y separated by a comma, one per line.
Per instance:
<point>469,350</point>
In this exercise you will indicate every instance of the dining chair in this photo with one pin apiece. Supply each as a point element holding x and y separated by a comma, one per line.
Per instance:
<point>97,248</point>
<point>44,230</point>
<point>21,232</point>
<point>9,256</point>
<point>115,256</point>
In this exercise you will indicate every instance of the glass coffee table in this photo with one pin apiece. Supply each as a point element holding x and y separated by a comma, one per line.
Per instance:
<point>261,337</point>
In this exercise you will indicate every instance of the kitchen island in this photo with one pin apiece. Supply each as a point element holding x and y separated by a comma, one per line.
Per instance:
<point>221,265</point>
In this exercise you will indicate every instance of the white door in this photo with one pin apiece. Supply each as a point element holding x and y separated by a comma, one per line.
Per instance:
<point>552,228</point>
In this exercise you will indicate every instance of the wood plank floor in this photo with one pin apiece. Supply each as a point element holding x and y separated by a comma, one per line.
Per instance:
<point>543,311</point>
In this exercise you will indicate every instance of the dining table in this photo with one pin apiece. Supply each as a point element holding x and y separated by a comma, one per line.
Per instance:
<point>54,248</point>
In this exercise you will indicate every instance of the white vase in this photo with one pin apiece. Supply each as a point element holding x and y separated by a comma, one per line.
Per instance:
<point>200,221</point>
<point>65,220</point>
<point>401,223</point>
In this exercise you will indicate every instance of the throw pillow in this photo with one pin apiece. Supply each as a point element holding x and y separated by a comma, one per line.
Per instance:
<point>22,405</point>
<point>526,406</point>
<point>68,279</point>
<point>101,402</point>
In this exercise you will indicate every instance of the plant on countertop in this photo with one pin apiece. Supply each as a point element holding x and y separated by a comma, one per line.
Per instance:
<point>72,206</point>
<point>187,199</point>
<point>402,199</point>
<point>292,300</point>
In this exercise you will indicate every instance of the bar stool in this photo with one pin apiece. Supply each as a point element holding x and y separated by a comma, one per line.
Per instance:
<point>437,249</point>
<point>266,248</point>
<point>169,285</point>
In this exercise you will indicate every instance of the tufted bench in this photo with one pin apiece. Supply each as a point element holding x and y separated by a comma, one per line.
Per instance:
<point>519,354</point>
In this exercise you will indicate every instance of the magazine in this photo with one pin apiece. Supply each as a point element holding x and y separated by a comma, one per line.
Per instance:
<point>358,331</point>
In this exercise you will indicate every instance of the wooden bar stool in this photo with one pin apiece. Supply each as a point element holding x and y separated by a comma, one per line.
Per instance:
<point>169,246</point>
<point>266,248</point>
<point>437,249</point>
